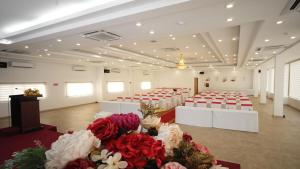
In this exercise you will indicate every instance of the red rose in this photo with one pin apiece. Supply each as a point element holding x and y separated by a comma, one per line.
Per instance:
<point>80,164</point>
<point>103,128</point>
<point>186,137</point>
<point>138,149</point>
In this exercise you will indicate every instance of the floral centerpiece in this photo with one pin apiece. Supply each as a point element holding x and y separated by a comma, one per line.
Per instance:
<point>32,92</point>
<point>114,142</point>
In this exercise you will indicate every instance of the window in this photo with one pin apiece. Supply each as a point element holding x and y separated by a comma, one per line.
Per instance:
<point>286,81</point>
<point>145,85</point>
<point>115,87</point>
<point>295,80</point>
<point>19,88</point>
<point>79,89</point>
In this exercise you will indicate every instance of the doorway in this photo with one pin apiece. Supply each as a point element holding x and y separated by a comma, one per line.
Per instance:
<point>196,90</point>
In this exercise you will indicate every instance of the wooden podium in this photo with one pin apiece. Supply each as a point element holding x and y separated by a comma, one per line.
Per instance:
<point>25,112</point>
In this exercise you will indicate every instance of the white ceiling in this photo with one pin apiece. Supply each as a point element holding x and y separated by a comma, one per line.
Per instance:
<point>253,22</point>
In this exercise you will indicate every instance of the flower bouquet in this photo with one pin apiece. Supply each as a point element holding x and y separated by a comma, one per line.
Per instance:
<point>114,142</point>
<point>32,92</point>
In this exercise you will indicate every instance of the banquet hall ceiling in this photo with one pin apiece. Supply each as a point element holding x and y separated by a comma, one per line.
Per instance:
<point>152,34</point>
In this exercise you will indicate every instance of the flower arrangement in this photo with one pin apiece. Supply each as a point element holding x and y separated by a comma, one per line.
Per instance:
<point>32,92</point>
<point>114,142</point>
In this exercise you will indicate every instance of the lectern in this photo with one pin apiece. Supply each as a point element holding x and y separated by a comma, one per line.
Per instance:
<point>25,112</point>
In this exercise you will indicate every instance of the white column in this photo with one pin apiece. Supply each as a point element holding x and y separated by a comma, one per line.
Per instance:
<point>263,86</point>
<point>99,83</point>
<point>256,76</point>
<point>278,86</point>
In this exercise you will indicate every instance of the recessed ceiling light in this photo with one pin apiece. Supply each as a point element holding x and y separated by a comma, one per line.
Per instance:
<point>293,37</point>
<point>187,47</point>
<point>234,54</point>
<point>196,53</point>
<point>209,52</point>
<point>256,64</point>
<point>134,43</point>
<point>213,56</point>
<point>120,45</point>
<point>40,55</point>
<point>274,52</point>
<point>171,35</point>
<point>267,40</point>
<point>226,55</point>
<point>234,38</point>
<point>180,22</point>
<point>220,40</point>
<point>230,5</point>
<point>154,50</point>
<point>229,19</point>
<point>78,44</point>
<point>194,36</point>
<point>48,54</point>
<point>251,58</point>
<point>203,46</point>
<point>157,56</point>
<point>138,24</point>
<point>58,40</point>
<point>256,53</point>
<point>26,47</point>
<point>279,22</point>
<point>138,63</point>
<point>46,50</point>
<point>120,60</point>
<point>151,32</point>
<point>173,38</point>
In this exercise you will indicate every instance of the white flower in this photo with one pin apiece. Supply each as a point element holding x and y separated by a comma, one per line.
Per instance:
<point>70,147</point>
<point>102,156</point>
<point>151,122</point>
<point>102,114</point>
<point>218,167</point>
<point>171,135</point>
<point>113,162</point>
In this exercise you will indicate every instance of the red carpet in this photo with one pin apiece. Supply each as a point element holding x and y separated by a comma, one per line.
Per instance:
<point>17,142</point>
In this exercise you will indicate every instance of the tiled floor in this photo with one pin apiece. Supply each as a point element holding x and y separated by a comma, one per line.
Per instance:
<point>276,146</point>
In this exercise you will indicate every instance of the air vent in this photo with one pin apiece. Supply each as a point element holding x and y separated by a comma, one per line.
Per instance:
<point>115,70</point>
<point>79,68</point>
<point>276,47</point>
<point>291,6</point>
<point>102,36</point>
<point>21,64</point>
<point>170,49</point>
<point>15,51</point>
<point>96,61</point>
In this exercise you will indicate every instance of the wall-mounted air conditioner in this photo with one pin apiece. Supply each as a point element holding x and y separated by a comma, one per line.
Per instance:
<point>21,64</point>
<point>79,68</point>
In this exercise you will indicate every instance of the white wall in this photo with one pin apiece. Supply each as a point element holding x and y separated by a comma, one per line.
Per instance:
<point>291,54</point>
<point>132,80</point>
<point>50,73</point>
<point>185,78</point>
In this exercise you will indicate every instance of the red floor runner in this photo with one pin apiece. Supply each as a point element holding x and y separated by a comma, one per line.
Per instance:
<point>168,116</point>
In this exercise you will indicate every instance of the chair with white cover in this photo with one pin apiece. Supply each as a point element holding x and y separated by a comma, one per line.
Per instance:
<point>136,99</point>
<point>156,102</point>
<point>201,103</point>
<point>231,105</point>
<point>247,106</point>
<point>195,116</point>
<point>128,99</point>
<point>146,100</point>
<point>169,102</point>
<point>120,99</point>
<point>189,103</point>
<point>216,104</point>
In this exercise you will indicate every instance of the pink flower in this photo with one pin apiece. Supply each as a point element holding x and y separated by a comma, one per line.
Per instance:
<point>173,165</point>
<point>200,147</point>
<point>126,122</point>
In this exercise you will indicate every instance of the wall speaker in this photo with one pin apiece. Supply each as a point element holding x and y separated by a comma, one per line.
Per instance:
<point>201,73</point>
<point>3,65</point>
<point>106,70</point>
<point>259,71</point>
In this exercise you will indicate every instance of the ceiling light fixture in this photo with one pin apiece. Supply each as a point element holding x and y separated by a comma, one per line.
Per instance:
<point>229,19</point>
<point>46,50</point>
<point>220,40</point>
<point>194,36</point>
<point>187,47</point>
<point>234,55</point>
<point>203,46</point>
<point>180,64</point>
<point>196,53</point>
<point>151,32</point>
<point>234,38</point>
<point>293,37</point>
<point>120,45</point>
<point>78,44</point>
<point>170,35</point>
<point>230,5</point>
<point>48,54</point>
<point>26,47</point>
<point>274,52</point>
<point>180,22</point>
<point>134,43</point>
<point>256,53</point>
<point>279,22</point>
<point>138,24</point>
<point>267,40</point>
<point>40,55</point>
<point>173,38</point>
<point>58,40</point>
